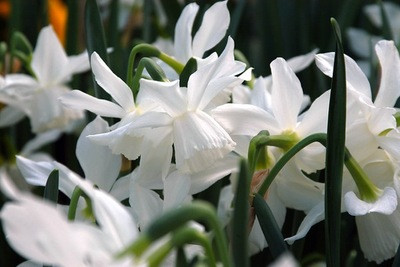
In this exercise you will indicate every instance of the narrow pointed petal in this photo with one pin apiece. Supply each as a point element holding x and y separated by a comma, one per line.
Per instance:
<point>100,166</point>
<point>111,83</point>
<point>79,63</point>
<point>287,94</point>
<point>79,100</point>
<point>299,63</point>
<point>168,95</point>
<point>40,140</point>
<point>355,77</point>
<point>49,59</point>
<point>244,119</point>
<point>183,33</point>
<point>213,28</point>
<point>389,89</point>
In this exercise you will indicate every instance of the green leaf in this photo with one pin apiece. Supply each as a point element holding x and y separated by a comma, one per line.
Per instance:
<point>270,228</point>
<point>51,188</point>
<point>335,150</point>
<point>189,69</point>
<point>386,29</point>
<point>241,217</point>
<point>95,39</point>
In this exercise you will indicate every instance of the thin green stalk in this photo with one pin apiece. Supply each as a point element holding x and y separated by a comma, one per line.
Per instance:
<point>152,68</point>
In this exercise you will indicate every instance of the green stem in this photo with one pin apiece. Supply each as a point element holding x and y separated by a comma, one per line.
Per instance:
<point>179,238</point>
<point>173,63</point>
<point>174,219</point>
<point>73,205</point>
<point>368,191</point>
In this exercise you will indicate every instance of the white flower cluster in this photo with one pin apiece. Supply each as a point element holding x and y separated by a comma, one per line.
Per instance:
<point>186,138</point>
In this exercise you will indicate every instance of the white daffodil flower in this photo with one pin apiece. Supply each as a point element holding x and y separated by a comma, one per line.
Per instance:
<point>368,121</point>
<point>282,117</point>
<point>211,31</point>
<point>42,234</point>
<point>198,139</point>
<point>99,165</point>
<point>37,97</point>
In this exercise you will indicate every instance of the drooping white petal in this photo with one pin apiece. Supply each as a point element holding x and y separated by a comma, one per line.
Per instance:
<point>176,189</point>
<point>315,215</point>
<point>287,94</point>
<point>243,119</point>
<point>49,58</point>
<point>301,62</point>
<point>379,235</point>
<point>205,178</point>
<point>112,216</point>
<point>361,42</point>
<point>100,166</point>
<point>10,115</point>
<point>199,141</point>
<point>183,33</point>
<point>111,83</point>
<point>212,29</point>
<point>37,173</point>
<point>146,204</point>
<point>385,204</point>
<point>120,189</point>
<point>79,100</point>
<point>389,88</point>
<point>355,77</point>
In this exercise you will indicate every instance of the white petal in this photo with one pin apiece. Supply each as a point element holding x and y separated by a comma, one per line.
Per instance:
<point>205,178</point>
<point>112,216</point>
<point>183,33</point>
<point>379,235</point>
<point>385,204</point>
<point>79,100</point>
<point>199,141</point>
<point>389,88</point>
<point>120,142</point>
<point>212,29</point>
<point>168,95</point>
<point>315,215</point>
<point>355,77</point>
<point>243,119</point>
<point>39,141</point>
<point>100,166</point>
<point>176,189</point>
<point>287,94</point>
<point>146,203</point>
<point>260,95</point>
<point>120,189</point>
<point>49,59</point>
<point>360,42</point>
<point>10,115</point>
<point>111,83</point>
<point>79,63</point>
<point>299,63</point>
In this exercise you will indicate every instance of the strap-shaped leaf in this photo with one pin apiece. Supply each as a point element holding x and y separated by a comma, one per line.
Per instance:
<point>241,217</point>
<point>189,69</point>
<point>269,227</point>
<point>335,150</point>
<point>95,39</point>
<point>51,188</point>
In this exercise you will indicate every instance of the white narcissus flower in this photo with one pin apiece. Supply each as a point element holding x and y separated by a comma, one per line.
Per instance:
<point>198,139</point>
<point>42,234</point>
<point>37,97</point>
<point>99,165</point>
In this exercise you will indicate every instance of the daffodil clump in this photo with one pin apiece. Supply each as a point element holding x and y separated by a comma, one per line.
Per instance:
<point>179,154</point>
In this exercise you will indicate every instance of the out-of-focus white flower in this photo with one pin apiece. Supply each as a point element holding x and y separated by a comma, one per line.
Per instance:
<point>40,233</point>
<point>211,31</point>
<point>100,166</point>
<point>37,97</point>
